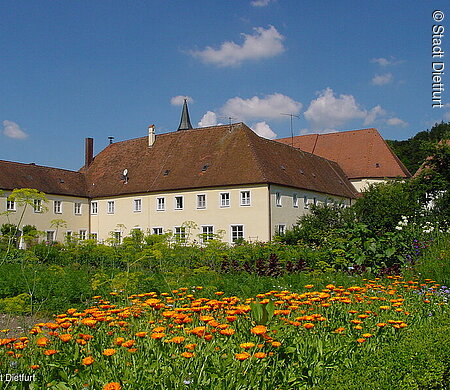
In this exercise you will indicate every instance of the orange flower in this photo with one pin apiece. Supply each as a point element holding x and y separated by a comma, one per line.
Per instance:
<point>132,350</point>
<point>228,331</point>
<point>361,340</point>
<point>42,341</point>
<point>65,337</point>
<point>34,366</point>
<point>276,344</point>
<point>231,318</point>
<point>260,355</point>
<point>259,330</point>
<point>367,335</point>
<point>381,324</point>
<point>242,356</point>
<point>187,355</point>
<point>109,352</point>
<point>177,339</point>
<point>119,340</point>
<point>87,361</point>
<point>190,346</point>
<point>128,344</point>
<point>308,325</point>
<point>159,329</point>
<point>247,345</point>
<point>141,334</point>
<point>112,386</point>
<point>50,352</point>
<point>157,336</point>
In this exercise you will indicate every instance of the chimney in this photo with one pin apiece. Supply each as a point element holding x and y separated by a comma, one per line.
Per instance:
<point>151,135</point>
<point>88,152</point>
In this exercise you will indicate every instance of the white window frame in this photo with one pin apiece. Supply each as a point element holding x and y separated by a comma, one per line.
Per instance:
<point>225,199</point>
<point>118,236</point>
<point>10,205</point>
<point>52,232</point>
<point>246,198</point>
<point>201,203</point>
<point>57,207</point>
<point>82,234</point>
<point>137,205</point>
<point>160,229</point>
<point>234,239</point>
<point>111,207</point>
<point>305,202</point>
<point>93,236</point>
<point>207,236</point>
<point>161,203</point>
<point>179,233</point>
<point>295,200</point>
<point>278,199</point>
<point>37,206</point>
<point>175,205</point>
<point>94,208</point>
<point>281,228</point>
<point>77,208</point>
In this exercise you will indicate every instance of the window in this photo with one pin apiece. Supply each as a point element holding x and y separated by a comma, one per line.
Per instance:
<point>77,208</point>
<point>180,233</point>
<point>94,236</point>
<point>201,201</point>
<point>94,208</point>
<point>82,234</point>
<point>111,207</point>
<point>278,199</point>
<point>281,229</point>
<point>294,200</point>
<point>178,203</point>
<point>160,204</point>
<point>305,202</point>
<point>224,199</point>
<point>207,233</point>
<point>237,232</point>
<point>315,201</point>
<point>158,230</point>
<point>37,205</point>
<point>245,198</point>
<point>137,205</point>
<point>10,205</point>
<point>57,207</point>
<point>50,236</point>
<point>118,236</point>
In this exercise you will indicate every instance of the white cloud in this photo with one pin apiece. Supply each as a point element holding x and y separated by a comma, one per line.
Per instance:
<point>263,43</point>
<point>268,107</point>
<point>381,61</point>
<point>13,130</point>
<point>179,100</point>
<point>373,115</point>
<point>330,112</point>
<point>382,79</point>
<point>396,122</point>
<point>260,3</point>
<point>209,119</point>
<point>263,130</point>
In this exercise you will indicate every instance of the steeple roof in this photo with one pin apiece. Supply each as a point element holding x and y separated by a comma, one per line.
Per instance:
<point>185,123</point>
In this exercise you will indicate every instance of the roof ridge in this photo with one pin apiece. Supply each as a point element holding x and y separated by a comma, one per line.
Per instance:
<point>38,166</point>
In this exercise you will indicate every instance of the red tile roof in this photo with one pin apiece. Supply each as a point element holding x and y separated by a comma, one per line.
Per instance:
<point>210,157</point>
<point>48,180</point>
<point>360,153</point>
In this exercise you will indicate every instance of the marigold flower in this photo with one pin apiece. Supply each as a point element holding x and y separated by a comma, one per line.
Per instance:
<point>242,356</point>
<point>87,361</point>
<point>109,352</point>
<point>112,386</point>
<point>159,329</point>
<point>228,331</point>
<point>367,335</point>
<point>128,344</point>
<point>35,366</point>
<point>50,352</point>
<point>177,339</point>
<point>381,324</point>
<point>190,346</point>
<point>276,344</point>
<point>42,341</point>
<point>65,337</point>
<point>132,350</point>
<point>308,325</point>
<point>247,345</point>
<point>361,340</point>
<point>260,355</point>
<point>157,336</point>
<point>187,355</point>
<point>231,318</point>
<point>259,329</point>
<point>141,334</point>
<point>119,340</point>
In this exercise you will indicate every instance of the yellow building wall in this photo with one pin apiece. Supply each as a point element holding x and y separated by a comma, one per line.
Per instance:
<point>363,184</point>
<point>284,212</point>
<point>43,220</point>
<point>254,218</point>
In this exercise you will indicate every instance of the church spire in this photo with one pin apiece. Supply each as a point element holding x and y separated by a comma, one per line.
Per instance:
<point>185,123</point>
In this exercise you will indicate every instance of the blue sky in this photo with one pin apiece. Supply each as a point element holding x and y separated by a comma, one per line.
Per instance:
<point>75,69</point>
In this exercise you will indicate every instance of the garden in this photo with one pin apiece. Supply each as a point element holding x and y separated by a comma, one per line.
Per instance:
<point>349,298</point>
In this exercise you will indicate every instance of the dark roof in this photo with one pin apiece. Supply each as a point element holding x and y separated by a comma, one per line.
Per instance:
<point>48,180</point>
<point>185,122</point>
<point>360,153</point>
<point>210,157</point>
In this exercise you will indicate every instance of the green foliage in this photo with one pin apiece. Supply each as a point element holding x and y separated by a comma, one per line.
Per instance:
<point>262,313</point>
<point>19,304</point>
